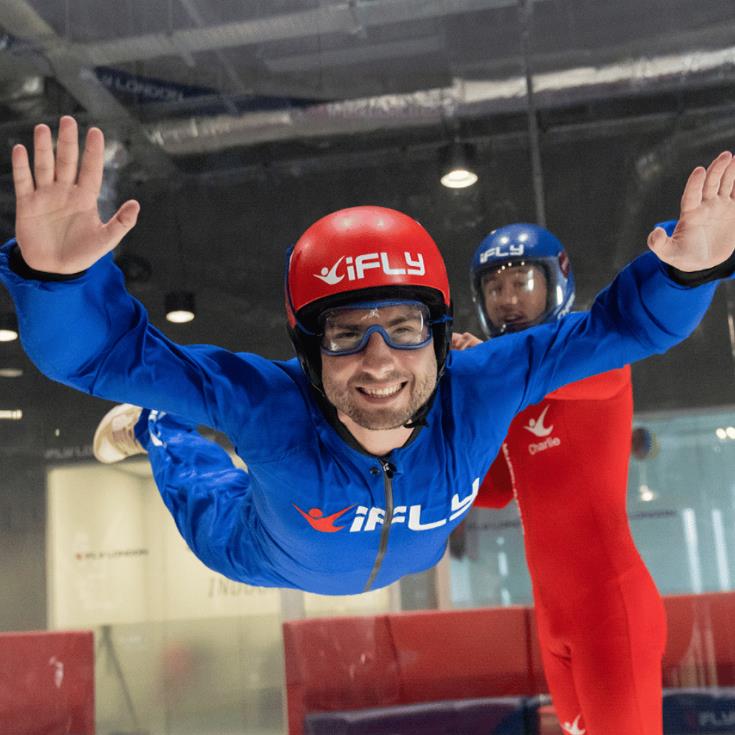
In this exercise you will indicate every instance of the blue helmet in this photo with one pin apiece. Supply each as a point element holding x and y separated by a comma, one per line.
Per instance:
<point>517,245</point>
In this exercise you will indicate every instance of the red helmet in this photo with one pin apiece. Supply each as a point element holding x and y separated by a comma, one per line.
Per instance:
<point>357,254</point>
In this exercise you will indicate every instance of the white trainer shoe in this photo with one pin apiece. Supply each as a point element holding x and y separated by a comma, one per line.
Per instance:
<point>115,439</point>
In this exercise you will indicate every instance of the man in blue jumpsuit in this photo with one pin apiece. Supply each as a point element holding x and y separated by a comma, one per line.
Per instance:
<point>366,452</point>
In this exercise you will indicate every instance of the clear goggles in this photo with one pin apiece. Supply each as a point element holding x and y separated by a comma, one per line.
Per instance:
<point>404,325</point>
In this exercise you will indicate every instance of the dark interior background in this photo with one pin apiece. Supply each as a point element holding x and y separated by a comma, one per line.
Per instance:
<point>237,124</point>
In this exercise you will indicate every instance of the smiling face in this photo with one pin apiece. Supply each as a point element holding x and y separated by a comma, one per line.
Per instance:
<point>514,296</point>
<point>379,387</point>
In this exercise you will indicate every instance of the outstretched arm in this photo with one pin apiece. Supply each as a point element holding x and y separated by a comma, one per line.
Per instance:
<point>655,302</point>
<point>595,388</point>
<point>651,305</point>
<point>80,326</point>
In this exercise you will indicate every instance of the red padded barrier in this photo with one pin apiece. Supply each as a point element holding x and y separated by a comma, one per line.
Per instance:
<point>538,677</point>
<point>700,650</point>
<point>404,658</point>
<point>338,663</point>
<point>548,722</point>
<point>350,663</point>
<point>47,683</point>
<point>462,653</point>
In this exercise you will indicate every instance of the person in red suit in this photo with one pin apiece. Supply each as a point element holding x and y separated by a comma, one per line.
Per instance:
<point>600,619</point>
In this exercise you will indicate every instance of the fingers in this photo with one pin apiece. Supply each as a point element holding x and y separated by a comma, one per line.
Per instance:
<point>121,223</point>
<point>471,340</point>
<point>728,181</point>
<point>464,340</point>
<point>658,240</point>
<point>717,180</point>
<point>692,196</point>
<point>45,169</point>
<point>43,156</point>
<point>714,175</point>
<point>93,162</point>
<point>22,177</point>
<point>67,150</point>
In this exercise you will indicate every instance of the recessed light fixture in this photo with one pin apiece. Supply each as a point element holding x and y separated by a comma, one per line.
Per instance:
<point>11,414</point>
<point>457,169</point>
<point>8,327</point>
<point>11,372</point>
<point>180,307</point>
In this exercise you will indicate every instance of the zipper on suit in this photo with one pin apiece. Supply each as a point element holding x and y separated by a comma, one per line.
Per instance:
<point>388,471</point>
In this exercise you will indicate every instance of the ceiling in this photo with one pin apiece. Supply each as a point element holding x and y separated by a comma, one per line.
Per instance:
<point>238,124</point>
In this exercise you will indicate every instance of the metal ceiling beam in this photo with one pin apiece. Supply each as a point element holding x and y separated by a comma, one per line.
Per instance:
<point>349,18</point>
<point>235,80</point>
<point>464,99</point>
<point>361,54</point>
<point>66,63</point>
<point>73,70</point>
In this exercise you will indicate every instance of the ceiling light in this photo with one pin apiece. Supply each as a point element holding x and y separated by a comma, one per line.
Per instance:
<point>8,327</point>
<point>457,169</point>
<point>11,372</point>
<point>180,307</point>
<point>12,414</point>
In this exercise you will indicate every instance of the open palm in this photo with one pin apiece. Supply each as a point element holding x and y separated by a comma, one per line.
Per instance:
<point>57,223</point>
<point>705,233</point>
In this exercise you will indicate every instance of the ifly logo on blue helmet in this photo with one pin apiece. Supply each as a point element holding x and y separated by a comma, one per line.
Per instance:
<point>499,251</point>
<point>512,242</point>
<point>523,244</point>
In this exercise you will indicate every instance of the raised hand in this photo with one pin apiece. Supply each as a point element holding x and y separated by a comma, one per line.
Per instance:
<point>57,223</point>
<point>705,233</point>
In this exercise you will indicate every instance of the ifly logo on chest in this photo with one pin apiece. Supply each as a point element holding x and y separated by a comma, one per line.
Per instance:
<point>355,268</point>
<point>368,519</point>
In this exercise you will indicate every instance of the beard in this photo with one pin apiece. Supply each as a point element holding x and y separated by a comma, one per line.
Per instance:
<point>379,418</point>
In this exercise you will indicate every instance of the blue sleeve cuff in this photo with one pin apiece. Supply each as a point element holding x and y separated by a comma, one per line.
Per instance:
<point>22,269</point>
<point>697,278</point>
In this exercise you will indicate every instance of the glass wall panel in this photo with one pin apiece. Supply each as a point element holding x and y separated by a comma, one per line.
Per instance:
<point>681,507</point>
<point>180,650</point>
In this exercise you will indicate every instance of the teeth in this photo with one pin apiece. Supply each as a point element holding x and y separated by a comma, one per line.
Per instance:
<point>383,392</point>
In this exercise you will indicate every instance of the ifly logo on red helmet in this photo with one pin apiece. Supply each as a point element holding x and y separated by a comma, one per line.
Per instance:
<point>354,268</point>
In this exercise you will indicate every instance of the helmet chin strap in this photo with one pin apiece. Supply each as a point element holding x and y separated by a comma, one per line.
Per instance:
<point>417,421</point>
<point>419,418</point>
<point>330,413</point>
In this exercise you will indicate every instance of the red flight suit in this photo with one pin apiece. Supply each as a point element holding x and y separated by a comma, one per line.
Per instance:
<point>600,619</point>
